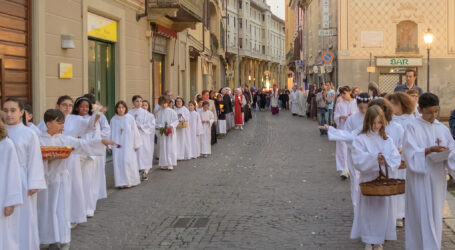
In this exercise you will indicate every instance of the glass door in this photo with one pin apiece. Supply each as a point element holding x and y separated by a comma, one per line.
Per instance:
<point>101,74</point>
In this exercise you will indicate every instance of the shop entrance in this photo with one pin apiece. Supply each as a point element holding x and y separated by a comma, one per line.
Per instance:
<point>158,76</point>
<point>390,78</point>
<point>101,73</point>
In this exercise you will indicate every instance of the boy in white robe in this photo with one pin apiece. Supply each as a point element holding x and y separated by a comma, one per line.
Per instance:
<point>32,172</point>
<point>426,184</point>
<point>142,117</point>
<point>207,119</point>
<point>294,102</point>
<point>343,110</point>
<point>54,202</point>
<point>124,156</point>
<point>10,191</point>
<point>195,126</point>
<point>373,149</point>
<point>167,141</point>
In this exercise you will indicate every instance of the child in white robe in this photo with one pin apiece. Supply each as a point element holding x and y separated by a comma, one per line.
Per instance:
<point>426,184</point>
<point>167,141</point>
<point>207,119</point>
<point>10,191</point>
<point>54,202</point>
<point>403,109</point>
<point>182,134</point>
<point>343,110</point>
<point>32,172</point>
<point>353,126</point>
<point>29,119</point>
<point>372,148</point>
<point>195,125</point>
<point>151,124</point>
<point>414,94</point>
<point>142,118</point>
<point>126,134</point>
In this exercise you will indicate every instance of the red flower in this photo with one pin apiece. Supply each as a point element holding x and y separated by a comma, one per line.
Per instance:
<point>119,146</point>
<point>169,131</point>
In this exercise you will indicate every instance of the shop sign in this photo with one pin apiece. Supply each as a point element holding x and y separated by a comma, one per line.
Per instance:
<point>101,27</point>
<point>398,61</point>
<point>65,70</point>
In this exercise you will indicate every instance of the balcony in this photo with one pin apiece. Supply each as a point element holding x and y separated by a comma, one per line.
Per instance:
<point>179,11</point>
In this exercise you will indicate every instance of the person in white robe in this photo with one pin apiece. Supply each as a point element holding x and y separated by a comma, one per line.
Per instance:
<point>32,172</point>
<point>426,184</point>
<point>182,134</point>
<point>302,102</point>
<point>151,124</point>
<point>54,202</point>
<point>124,156</point>
<point>103,131</point>
<point>195,125</point>
<point>168,142</point>
<point>207,119</point>
<point>294,101</point>
<point>142,118</point>
<point>371,149</point>
<point>10,191</point>
<point>343,110</point>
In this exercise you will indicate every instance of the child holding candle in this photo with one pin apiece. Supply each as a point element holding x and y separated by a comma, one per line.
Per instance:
<point>220,109</point>
<point>207,119</point>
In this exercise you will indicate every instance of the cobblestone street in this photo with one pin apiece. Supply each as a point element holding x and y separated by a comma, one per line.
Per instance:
<point>271,186</point>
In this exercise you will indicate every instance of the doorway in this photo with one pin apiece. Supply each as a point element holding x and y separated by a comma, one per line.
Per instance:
<point>101,73</point>
<point>158,76</point>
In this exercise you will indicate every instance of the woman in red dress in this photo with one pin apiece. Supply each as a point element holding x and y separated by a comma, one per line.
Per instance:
<point>239,103</point>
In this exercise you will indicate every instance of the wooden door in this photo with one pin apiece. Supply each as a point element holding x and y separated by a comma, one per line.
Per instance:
<point>15,49</point>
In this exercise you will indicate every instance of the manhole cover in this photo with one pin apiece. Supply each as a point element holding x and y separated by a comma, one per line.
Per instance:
<point>201,222</point>
<point>191,222</point>
<point>182,223</point>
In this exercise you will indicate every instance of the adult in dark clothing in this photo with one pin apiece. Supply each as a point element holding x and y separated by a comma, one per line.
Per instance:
<point>262,100</point>
<point>221,113</point>
<point>312,110</point>
<point>452,123</point>
<point>411,77</point>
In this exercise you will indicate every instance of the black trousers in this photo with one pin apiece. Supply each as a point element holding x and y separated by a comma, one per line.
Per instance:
<point>213,134</point>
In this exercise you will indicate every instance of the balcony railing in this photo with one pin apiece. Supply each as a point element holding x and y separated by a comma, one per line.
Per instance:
<point>188,10</point>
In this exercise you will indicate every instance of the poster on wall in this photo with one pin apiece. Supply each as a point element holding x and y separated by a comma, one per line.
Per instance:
<point>372,39</point>
<point>101,27</point>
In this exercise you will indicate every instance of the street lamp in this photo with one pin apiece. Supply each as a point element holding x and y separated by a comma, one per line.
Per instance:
<point>428,38</point>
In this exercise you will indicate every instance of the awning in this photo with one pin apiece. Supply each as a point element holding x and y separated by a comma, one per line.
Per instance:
<point>169,33</point>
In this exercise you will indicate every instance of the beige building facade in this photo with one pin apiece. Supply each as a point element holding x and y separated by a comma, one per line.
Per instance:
<point>117,48</point>
<point>389,36</point>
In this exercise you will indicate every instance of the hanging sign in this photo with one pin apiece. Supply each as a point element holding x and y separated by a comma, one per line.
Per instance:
<point>101,27</point>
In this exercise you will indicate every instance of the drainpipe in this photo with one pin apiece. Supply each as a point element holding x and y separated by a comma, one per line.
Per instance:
<point>146,12</point>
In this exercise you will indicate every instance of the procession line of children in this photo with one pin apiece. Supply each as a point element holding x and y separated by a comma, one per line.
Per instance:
<point>42,200</point>
<point>389,133</point>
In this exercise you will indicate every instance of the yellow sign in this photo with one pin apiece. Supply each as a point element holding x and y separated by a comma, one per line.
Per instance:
<point>65,70</point>
<point>101,27</point>
<point>371,69</point>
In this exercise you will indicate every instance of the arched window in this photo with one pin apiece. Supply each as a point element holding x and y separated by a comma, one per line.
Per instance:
<point>407,37</point>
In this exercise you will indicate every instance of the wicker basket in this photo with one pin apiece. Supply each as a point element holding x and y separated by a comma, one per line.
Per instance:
<point>182,124</point>
<point>383,186</point>
<point>56,152</point>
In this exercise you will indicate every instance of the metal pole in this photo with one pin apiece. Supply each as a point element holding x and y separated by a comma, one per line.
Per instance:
<point>428,70</point>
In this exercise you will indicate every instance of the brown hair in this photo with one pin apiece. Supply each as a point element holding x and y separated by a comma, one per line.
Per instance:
<point>371,115</point>
<point>405,100</point>
<point>192,102</point>
<point>385,106</point>
<point>163,99</point>
<point>412,92</point>
<point>205,91</point>
<point>344,89</point>
<point>121,103</point>
<point>3,131</point>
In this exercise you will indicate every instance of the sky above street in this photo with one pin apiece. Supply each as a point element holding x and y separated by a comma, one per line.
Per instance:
<point>277,7</point>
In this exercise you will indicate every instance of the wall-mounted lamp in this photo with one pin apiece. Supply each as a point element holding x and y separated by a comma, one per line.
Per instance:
<point>67,42</point>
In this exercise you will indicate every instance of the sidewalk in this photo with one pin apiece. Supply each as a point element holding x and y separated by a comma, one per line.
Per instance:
<point>449,211</point>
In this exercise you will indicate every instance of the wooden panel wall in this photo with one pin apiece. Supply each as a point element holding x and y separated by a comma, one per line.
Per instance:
<point>15,49</point>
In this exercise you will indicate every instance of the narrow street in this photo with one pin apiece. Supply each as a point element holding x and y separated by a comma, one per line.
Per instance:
<point>271,186</point>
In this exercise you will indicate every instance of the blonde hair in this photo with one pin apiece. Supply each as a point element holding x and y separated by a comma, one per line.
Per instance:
<point>3,131</point>
<point>371,115</point>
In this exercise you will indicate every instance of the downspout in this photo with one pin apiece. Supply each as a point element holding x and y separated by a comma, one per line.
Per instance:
<point>146,11</point>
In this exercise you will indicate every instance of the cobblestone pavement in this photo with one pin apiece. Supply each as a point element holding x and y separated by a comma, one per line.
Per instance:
<point>270,186</point>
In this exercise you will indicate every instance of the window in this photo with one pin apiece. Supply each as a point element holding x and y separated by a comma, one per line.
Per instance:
<point>407,37</point>
<point>234,22</point>
<point>263,17</point>
<point>240,23</point>
<point>263,49</point>
<point>240,4</point>
<point>240,42</point>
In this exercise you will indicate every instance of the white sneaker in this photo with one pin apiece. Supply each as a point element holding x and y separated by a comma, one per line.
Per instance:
<point>170,168</point>
<point>400,223</point>
<point>74,225</point>
<point>164,168</point>
<point>368,247</point>
<point>378,247</point>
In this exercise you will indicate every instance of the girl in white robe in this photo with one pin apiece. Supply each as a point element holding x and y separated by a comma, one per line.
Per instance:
<point>126,134</point>
<point>182,134</point>
<point>32,172</point>
<point>195,125</point>
<point>103,132</point>
<point>142,118</point>
<point>207,119</point>
<point>167,143</point>
<point>10,191</point>
<point>403,108</point>
<point>426,184</point>
<point>54,202</point>
<point>375,222</point>
<point>343,110</point>
<point>151,124</point>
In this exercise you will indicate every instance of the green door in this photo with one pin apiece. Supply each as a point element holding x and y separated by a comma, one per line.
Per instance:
<point>101,75</point>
